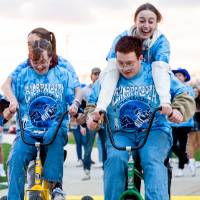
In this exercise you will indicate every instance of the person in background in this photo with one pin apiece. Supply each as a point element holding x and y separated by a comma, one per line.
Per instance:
<point>90,135</point>
<point>99,164</point>
<point>194,135</point>
<point>80,140</point>
<point>180,131</point>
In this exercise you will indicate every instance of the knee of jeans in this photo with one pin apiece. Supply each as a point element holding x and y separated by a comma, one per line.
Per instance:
<point>152,160</point>
<point>117,160</point>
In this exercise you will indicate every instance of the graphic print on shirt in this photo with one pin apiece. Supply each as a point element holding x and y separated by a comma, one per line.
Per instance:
<point>42,111</point>
<point>134,114</point>
<point>43,100</point>
<point>133,105</point>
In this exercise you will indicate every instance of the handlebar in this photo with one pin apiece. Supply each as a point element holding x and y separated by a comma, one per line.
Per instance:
<point>130,148</point>
<point>42,144</point>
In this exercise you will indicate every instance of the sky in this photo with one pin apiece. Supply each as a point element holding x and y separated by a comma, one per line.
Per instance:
<point>85,30</point>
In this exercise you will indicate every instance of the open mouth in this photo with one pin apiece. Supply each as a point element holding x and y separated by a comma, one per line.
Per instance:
<point>145,32</point>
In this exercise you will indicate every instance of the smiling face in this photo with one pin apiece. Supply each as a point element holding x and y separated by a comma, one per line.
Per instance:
<point>146,23</point>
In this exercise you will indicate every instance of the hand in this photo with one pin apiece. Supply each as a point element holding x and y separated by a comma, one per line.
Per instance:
<point>166,109</point>
<point>13,105</point>
<point>7,114</point>
<point>73,109</point>
<point>81,119</point>
<point>176,116</point>
<point>93,121</point>
<point>83,130</point>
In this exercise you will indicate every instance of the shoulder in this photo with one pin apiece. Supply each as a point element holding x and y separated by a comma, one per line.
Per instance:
<point>161,39</point>
<point>62,62</point>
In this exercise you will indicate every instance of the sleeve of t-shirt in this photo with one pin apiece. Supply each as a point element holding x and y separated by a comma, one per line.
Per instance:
<point>111,54</point>
<point>69,85</point>
<point>94,95</point>
<point>17,70</point>
<point>162,49</point>
<point>67,65</point>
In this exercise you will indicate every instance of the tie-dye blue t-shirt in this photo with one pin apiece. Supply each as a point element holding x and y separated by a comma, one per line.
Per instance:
<point>135,99</point>
<point>43,98</point>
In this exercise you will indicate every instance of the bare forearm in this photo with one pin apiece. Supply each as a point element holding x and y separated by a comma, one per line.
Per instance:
<point>7,90</point>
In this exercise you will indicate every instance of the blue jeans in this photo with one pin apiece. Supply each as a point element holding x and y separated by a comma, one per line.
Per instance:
<point>100,151</point>
<point>152,156</point>
<point>80,141</point>
<point>90,137</point>
<point>20,156</point>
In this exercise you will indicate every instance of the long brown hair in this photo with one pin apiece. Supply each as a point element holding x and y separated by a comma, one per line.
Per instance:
<point>48,35</point>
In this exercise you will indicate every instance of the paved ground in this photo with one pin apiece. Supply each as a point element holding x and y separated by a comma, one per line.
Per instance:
<point>73,185</point>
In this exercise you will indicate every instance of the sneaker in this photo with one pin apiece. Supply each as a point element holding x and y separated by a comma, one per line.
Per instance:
<point>178,173</point>
<point>79,163</point>
<point>57,193</point>
<point>192,166</point>
<point>2,173</point>
<point>98,165</point>
<point>87,175</point>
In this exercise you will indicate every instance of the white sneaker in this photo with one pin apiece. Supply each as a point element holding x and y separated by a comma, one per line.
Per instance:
<point>2,173</point>
<point>79,163</point>
<point>192,166</point>
<point>178,173</point>
<point>98,165</point>
<point>87,175</point>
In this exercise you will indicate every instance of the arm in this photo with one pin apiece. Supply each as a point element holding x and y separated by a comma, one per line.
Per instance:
<point>7,90</point>
<point>182,99</point>
<point>185,104</point>
<point>160,68</point>
<point>7,85</point>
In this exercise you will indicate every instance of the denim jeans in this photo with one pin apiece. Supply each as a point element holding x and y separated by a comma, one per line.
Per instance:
<point>152,156</point>
<point>20,156</point>
<point>100,151</point>
<point>80,141</point>
<point>90,137</point>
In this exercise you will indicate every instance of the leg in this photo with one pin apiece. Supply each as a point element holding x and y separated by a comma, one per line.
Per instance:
<point>183,135</point>
<point>77,137</point>
<point>90,137</point>
<point>115,169</point>
<point>53,171</point>
<point>153,156</point>
<point>102,136</point>
<point>20,155</point>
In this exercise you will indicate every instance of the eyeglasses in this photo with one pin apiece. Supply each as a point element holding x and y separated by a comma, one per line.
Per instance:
<point>125,66</point>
